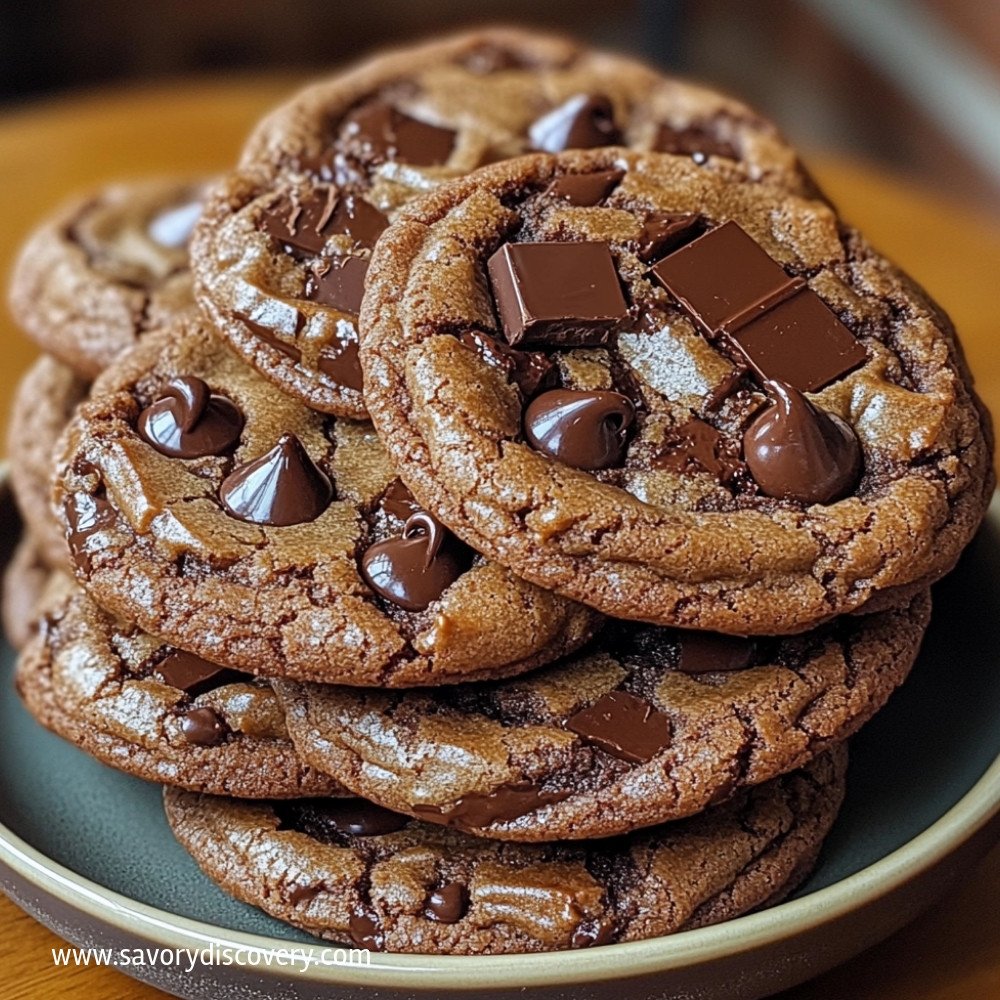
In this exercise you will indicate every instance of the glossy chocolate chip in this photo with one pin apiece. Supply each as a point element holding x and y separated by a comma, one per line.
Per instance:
<point>190,421</point>
<point>416,568</point>
<point>203,727</point>
<point>796,451</point>
<point>448,903</point>
<point>623,725</point>
<point>282,487</point>
<point>581,122</point>
<point>584,429</point>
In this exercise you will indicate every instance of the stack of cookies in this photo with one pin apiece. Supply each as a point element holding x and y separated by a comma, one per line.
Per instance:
<point>493,537</point>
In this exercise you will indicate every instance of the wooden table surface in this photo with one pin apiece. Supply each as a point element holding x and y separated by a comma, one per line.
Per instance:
<point>52,149</point>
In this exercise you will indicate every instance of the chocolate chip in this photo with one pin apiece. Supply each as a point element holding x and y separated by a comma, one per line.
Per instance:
<point>477,810</point>
<point>796,451</point>
<point>584,429</point>
<point>85,515</point>
<point>190,421</point>
<point>584,189</point>
<point>695,140</point>
<point>203,727</point>
<point>696,446</point>
<point>172,228</point>
<point>559,294</point>
<point>528,370</point>
<point>338,282</point>
<point>380,132</point>
<point>416,568</point>
<point>282,487</point>
<point>623,725</point>
<point>340,361</point>
<point>448,904</point>
<point>581,122</point>
<point>709,652</point>
<point>192,674</point>
<point>593,934</point>
<point>663,232</point>
<point>365,931</point>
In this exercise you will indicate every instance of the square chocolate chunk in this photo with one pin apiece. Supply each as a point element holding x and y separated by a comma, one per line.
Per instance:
<point>561,294</point>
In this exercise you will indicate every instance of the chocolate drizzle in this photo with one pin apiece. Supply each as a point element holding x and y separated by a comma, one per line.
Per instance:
<point>281,488</point>
<point>581,122</point>
<point>190,421</point>
<point>587,430</point>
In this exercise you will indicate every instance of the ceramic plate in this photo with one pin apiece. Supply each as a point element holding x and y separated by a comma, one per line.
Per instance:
<point>87,851</point>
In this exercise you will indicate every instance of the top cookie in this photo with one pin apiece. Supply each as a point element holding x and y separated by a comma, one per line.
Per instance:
<point>282,250</point>
<point>104,268</point>
<point>748,421</point>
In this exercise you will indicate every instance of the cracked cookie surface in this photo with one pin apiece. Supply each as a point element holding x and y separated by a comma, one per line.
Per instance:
<point>392,128</point>
<point>645,726</point>
<point>350,872</point>
<point>253,550</point>
<point>678,523</point>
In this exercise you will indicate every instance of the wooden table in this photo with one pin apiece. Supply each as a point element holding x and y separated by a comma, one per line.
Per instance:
<point>51,149</point>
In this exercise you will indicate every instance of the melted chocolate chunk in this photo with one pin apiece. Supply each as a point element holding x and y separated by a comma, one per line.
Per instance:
<point>624,726</point>
<point>696,446</point>
<point>664,232</point>
<point>379,132</point>
<point>190,421</point>
<point>448,904</point>
<point>558,294</point>
<point>341,362</point>
<point>172,227</point>
<point>365,931</point>
<point>796,451</point>
<point>301,892</point>
<point>593,935</point>
<point>203,727</point>
<point>338,282</point>
<point>581,122</point>
<point>415,569</point>
<point>584,429</point>
<point>695,141</point>
<point>282,487</point>
<point>268,336</point>
<point>399,501</point>
<point>528,370</point>
<point>709,652</point>
<point>333,821</point>
<point>193,675</point>
<point>477,810</point>
<point>584,189</point>
<point>86,515</point>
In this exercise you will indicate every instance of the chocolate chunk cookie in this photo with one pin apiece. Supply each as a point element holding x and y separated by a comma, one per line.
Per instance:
<point>24,581</point>
<point>235,522</point>
<point>154,711</point>
<point>45,400</point>
<point>647,725</point>
<point>105,268</point>
<point>750,422</point>
<point>348,871</point>
<point>281,254</point>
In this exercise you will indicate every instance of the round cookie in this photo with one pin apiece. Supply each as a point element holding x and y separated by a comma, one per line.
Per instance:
<point>281,252</point>
<point>105,268</point>
<point>646,725</point>
<point>349,871</point>
<point>154,711</point>
<point>752,422</point>
<point>45,399</point>
<point>24,581</point>
<point>289,548</point>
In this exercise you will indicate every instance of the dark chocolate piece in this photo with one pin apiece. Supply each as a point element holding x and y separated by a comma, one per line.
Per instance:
<point>301,226</point>
<point>416,568</point>
<point>190,421</point>
<point>710,652</point>
<point>478,810</point>
<point>584,429</point>
<point>796,451</point>
<point>341,362</point>
<point>86,515</point>
<point>359,219</point>
<point>365,931</point>
<point>331,820</point>
<point>581,122</point>
<point>338,282</point>
<point>623,725</point>
<point>192,674</point>
<point>399,501</point>
<point>528,370</point>
<point>282,487</point>
<point>694,140</point>
<point>303,892</point>
<point>558,294</point>
<point>584,189</point>
<point>269,337</point>
<point>448,904</point>
<point>380,132</point>
<point>664,232</point>
<point>172,227</point>
<point>202,726</point>
<point>696,446</point>
<point>593,935</point>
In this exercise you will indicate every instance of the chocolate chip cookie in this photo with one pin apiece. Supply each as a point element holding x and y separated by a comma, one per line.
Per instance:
<point>105,268</point>
<point>154,711</point>
<point>235,522</point>
<point>348,871</point>
<point>281,254</point>
<point>646,725</point>
<point>45,400</point>
<point>695,402</point>
<point>24,581</point>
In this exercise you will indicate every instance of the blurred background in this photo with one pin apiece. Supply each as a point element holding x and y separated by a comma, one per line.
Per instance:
<point>914,84</point>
